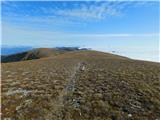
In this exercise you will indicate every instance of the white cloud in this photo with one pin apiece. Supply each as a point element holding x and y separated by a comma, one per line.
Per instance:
<point>93,11</point>
<point>80,12</point>
<point>19,35</point>
<point>119,35</point>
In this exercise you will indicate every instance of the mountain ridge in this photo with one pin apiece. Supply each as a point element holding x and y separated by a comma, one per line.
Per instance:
<point>80,85</point>
<point>39,53</point>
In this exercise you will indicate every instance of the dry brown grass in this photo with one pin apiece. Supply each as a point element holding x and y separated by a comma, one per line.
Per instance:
<point>83,85</point>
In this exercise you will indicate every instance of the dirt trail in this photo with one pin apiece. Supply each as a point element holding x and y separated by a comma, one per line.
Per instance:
<point>70,87</point>
<point>64,97</point>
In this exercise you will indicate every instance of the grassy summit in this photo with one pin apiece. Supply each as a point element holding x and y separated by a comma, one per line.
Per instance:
<point>80,85</point>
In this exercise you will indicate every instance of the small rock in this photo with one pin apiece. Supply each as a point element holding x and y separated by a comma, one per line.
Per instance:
<point>7,118</point>
<point>8,76</point>
<point>17,108</point>
<point>25,73</point>
<point>129,115</point>
<point>83,68</point>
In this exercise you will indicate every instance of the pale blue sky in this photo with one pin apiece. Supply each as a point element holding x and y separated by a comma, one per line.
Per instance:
<point>129,28</point>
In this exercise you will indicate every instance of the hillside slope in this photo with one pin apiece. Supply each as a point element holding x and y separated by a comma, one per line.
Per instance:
<point>32,54</point>
<point>81,85</point>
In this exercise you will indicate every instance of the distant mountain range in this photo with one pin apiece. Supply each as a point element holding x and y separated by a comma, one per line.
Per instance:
<point>5,50</point>
<point>21,53</point>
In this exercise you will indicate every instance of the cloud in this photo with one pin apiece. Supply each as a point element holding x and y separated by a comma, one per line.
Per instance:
<point>92,11</point>
<point>117,35</point>
<point>64,12</point>
<point>72,11</point>
<point>22,35</point>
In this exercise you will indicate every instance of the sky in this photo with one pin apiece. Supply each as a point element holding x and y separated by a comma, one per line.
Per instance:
<point>128,28</point>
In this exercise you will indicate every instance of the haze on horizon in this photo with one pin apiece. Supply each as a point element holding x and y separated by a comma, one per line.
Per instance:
<point>128,28</point>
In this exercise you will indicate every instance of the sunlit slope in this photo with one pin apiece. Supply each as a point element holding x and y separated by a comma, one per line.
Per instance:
<point>81,85</point>
<point>32,54</point>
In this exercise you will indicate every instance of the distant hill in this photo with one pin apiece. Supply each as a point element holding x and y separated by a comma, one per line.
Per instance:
<point>31,54</point>
<point>37,54</point>
<point>71,48</point>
